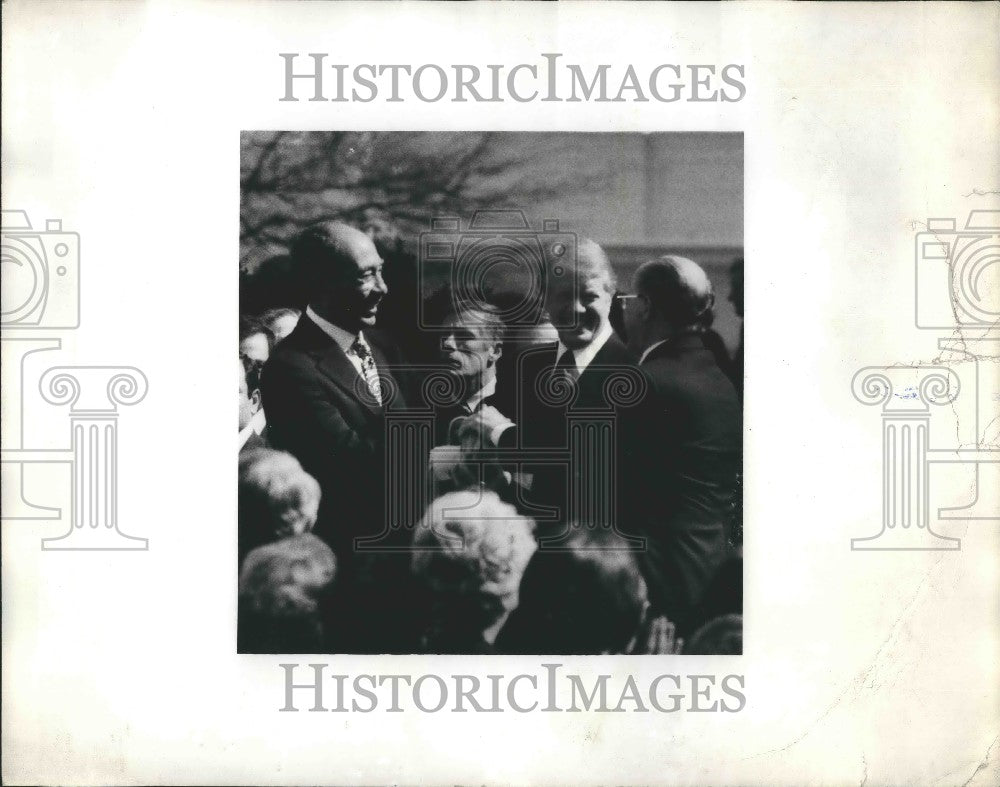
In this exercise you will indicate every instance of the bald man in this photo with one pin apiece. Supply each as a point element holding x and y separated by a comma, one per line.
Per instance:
<point>693,422</point>
<point>327,384</point>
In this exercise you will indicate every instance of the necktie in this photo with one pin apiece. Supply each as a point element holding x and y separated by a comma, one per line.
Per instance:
<point>566,367</point>
<point>363,352</point>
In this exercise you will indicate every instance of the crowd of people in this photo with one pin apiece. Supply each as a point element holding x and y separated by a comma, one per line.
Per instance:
<point>521,543</point>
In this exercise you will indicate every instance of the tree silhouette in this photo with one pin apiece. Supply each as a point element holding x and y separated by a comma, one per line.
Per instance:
<point>389,183</point>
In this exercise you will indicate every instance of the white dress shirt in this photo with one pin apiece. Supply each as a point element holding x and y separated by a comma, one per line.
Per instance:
<point>652,347</point>
<point>259,422</point>
<point>585,355</point>
<point>245,433</point>
<point>344,339</point>
<point>484,393</point>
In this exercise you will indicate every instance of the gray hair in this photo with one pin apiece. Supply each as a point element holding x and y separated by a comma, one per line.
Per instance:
<point>470,542</point>
<point>275,494</point>
<point>482,316</point>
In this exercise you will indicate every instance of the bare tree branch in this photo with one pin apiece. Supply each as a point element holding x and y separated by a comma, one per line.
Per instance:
<point>393,181</point>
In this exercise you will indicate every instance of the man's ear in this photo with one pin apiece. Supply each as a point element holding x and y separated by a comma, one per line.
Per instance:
<point>647,307</point>
<point>255,402</point>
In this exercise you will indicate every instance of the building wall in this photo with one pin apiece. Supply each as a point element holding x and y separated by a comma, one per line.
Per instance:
<point>645,195</point>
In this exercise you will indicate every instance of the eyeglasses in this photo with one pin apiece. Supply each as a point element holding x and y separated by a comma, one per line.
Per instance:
<point>623,300</point>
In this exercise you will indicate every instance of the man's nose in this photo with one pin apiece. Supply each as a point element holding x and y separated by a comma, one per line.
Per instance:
<point>579,308</point>
<point>380,285</point>
<point>448,343</point>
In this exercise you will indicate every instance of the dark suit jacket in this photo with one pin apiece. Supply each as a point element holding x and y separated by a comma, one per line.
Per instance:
<point>316,411</point>
<point>542,422</point>
<point>692,423</point>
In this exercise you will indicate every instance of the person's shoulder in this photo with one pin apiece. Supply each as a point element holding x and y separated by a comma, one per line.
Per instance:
<point>615,351</point>
<point>254,442</point>
<point>292,357</point>
<point>685,377</point>
<point>287,355</point>
<point>382,340</point>
<point>531,358</point>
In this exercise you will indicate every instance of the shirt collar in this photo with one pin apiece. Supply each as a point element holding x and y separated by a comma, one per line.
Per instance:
<point>245,433</point>
<point>259,421</point>
<point>651,348</point>
<point>585,355</point>
<point>344,339</point>
<point>484,393</point>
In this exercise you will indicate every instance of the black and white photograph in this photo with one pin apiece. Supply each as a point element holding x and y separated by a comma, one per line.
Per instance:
<point>490,393</point>
<point>505,438</point>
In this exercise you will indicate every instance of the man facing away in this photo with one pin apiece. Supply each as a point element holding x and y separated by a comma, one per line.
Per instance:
<point>693,422</point>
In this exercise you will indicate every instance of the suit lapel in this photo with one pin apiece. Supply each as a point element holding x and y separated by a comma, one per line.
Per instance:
<point>612,355</point>
<point>333,363</point>
<point>390,383</point>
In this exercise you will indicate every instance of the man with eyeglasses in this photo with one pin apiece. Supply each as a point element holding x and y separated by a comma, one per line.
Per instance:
<point>693,422</point>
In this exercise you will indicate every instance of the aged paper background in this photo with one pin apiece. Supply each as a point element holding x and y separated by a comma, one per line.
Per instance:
<point>860,121</point>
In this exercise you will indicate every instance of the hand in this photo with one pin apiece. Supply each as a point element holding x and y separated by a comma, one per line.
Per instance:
<point>661,639</point>
<point>492,419</point>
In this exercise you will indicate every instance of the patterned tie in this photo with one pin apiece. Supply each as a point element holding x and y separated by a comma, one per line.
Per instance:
<point>361,349</point>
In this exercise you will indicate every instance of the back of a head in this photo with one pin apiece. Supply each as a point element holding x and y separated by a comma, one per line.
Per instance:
<point>325,250</point>
<point>471,544</point>
<point>280,321</point>
<point>276,497</point>
<point>251,326</point>
<point>720,636</point>
<point>678,290</point>
<point>585,597</point>
<point>285,577</point>
<point>280,587</point>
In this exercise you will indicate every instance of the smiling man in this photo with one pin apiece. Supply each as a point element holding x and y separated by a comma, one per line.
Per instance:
<point>328,385</point>
<point>569,379</point>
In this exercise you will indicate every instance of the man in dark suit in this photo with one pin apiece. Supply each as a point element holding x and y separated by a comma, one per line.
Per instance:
<point>328,384</point>
<point>572,381</point>
<point>736,298</point>
<point>692,419</point>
